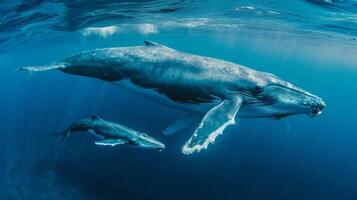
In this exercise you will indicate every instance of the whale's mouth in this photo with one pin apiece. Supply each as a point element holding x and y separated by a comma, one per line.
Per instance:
<point>316,111</point>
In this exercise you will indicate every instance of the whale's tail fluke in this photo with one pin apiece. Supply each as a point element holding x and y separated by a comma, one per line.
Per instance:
<point>42,68</point>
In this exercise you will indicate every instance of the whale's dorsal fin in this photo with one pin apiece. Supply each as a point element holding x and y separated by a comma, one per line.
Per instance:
<point>213,124</point>
<point>95,117</point>
<point>149,43</point>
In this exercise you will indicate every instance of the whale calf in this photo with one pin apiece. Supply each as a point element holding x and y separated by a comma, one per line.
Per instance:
<point>112,134</point>
<point>213,92</point>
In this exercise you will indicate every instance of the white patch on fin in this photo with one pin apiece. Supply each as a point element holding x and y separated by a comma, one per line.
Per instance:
<point>213,125</point>
<point>110,142</point>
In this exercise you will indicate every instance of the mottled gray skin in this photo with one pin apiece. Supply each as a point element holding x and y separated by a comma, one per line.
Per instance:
<point>109,130</point>
<point>193,82</point>
<point>216,90</point>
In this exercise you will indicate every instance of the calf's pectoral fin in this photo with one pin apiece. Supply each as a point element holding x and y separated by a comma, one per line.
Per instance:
<point>213,124</point>
<point>110,142</point>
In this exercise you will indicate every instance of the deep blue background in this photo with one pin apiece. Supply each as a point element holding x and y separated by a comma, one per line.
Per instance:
<point>295,158</point>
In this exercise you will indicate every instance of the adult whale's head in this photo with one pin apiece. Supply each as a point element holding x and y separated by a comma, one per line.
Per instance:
<point>276,98</point>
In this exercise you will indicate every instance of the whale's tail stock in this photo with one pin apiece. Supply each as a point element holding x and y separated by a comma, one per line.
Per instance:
<point>41,68</point>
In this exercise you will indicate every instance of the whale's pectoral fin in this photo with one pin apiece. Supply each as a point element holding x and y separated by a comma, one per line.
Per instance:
<point>186,121</point>
<point>213,124</point>
<point>110,142</point>
<point>42,68</point>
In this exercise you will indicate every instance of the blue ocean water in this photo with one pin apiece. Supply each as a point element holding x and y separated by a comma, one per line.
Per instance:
<point>311,43</point>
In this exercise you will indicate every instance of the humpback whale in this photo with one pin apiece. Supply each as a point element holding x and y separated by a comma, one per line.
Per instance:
<point>214,92</point>
<point>112,134</point>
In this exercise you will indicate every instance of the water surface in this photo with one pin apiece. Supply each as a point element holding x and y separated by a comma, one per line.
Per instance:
<point>311,43</point>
